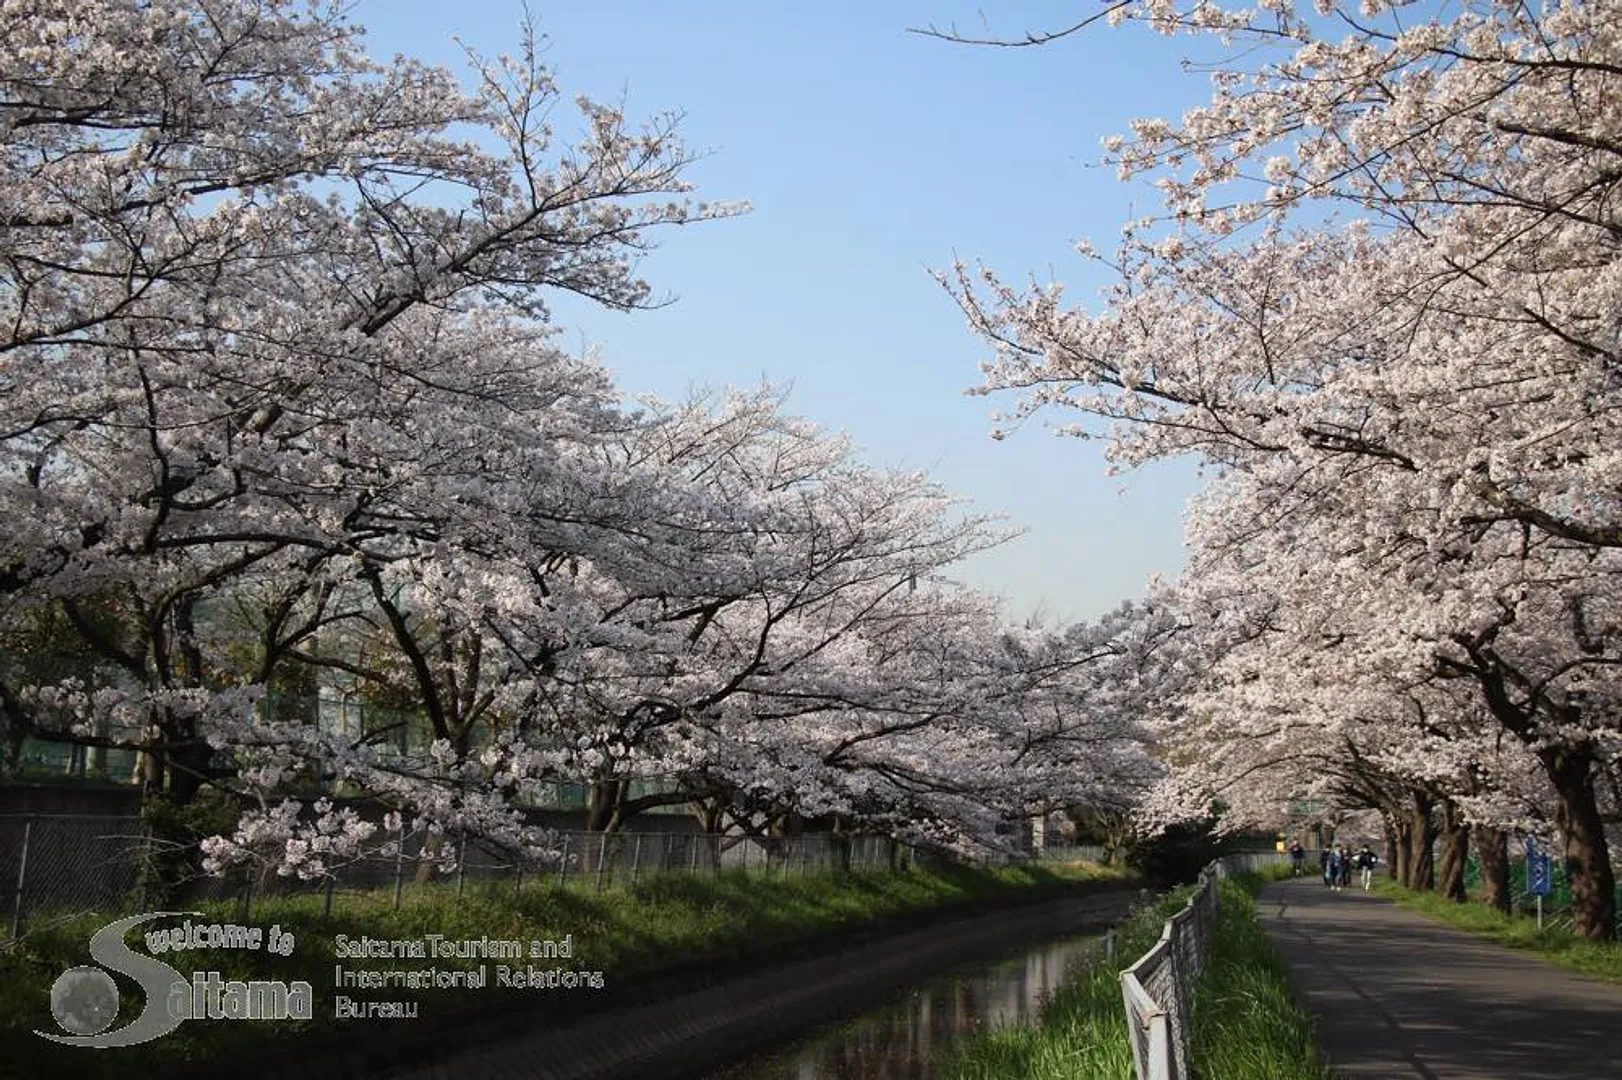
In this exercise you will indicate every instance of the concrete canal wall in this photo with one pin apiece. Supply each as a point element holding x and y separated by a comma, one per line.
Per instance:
<point>686,1024</point>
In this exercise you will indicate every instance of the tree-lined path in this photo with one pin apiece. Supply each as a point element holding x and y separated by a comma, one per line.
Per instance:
<point>1397,996</point>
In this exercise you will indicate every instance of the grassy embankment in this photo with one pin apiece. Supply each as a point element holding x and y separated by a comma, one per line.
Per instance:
<point>1247,1025</point>
<point>1600,960</point>
<point>622,932</point>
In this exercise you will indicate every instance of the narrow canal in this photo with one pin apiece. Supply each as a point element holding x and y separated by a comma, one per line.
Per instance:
<point>910,1036</point>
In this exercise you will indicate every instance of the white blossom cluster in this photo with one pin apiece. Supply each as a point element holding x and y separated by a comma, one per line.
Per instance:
<point>282,415</point>
<point>1407,570</point>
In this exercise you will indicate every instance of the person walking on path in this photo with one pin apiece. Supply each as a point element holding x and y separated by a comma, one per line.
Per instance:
<point>1398,997</point>
<point>1343,866</point>
<point>1297,854</point>
<point>1365,863</point>
<point>1323,865</point>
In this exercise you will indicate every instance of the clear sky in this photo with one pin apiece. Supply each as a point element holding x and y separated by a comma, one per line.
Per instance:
<point>871,155</point>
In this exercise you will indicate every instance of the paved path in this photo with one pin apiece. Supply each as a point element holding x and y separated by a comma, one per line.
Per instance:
<point>1397,996</point>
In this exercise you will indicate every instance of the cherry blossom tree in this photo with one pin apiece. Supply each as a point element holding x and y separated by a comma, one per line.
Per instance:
<point>280,403</point>
<point>260,299</point>
<point>1427,393</point>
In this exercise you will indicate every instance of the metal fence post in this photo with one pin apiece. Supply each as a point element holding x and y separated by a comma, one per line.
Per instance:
<point>399,872</point>
<point>563,863</point>
<point>22,878</point>
<point>143,873</point>
<point>636,859</point>
<point>327,907</point>
<point>602,855</point>
<point>461,863</point>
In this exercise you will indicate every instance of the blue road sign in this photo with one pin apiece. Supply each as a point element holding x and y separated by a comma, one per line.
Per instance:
<point>1538,873</point>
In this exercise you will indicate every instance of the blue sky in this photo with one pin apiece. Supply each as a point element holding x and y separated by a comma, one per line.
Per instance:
<point>871,155</point>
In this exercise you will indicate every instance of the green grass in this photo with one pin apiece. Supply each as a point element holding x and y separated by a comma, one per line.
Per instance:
<point>1600,960</point>
<point>624,932</point>
<point>1083,1032</point>
<point>1247,1025</point>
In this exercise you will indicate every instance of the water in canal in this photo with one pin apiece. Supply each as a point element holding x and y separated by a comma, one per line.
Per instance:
<point>908,1038</point>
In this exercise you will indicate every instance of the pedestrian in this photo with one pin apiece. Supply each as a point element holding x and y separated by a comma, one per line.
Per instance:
<point>1323,865</point>
<point>1343,867</point>
<point>1297,854</point>
<point>1365,863</point>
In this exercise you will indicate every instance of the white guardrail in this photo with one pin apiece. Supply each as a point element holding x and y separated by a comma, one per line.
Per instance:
<point>1158,990</point>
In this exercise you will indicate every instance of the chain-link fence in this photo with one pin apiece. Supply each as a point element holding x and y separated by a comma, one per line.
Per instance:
<point>1094,853</point>
<point>66,864</point>
<point>1556,905</point>
<point>593,861</point>
<point>1158,990</point>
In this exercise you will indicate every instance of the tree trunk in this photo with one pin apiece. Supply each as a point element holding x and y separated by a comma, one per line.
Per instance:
<point>1570,769</point>
<point>1455,853</point>
<point>150,764</point>
<point>1421,842</point>
<point>1402,832</point>
<point>1588,860</point>
<point>708,814</point>
<point>1391,852</point>
<point>602,800</point>
<point>1492,846</point>
<point>428,865</point>
<point>188,770</point>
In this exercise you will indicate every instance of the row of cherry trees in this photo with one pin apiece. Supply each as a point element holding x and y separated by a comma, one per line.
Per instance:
<point>1382,307</point>
<point>280,408</point>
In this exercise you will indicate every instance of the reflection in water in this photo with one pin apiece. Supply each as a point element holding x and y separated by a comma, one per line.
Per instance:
<point>906,1039</point>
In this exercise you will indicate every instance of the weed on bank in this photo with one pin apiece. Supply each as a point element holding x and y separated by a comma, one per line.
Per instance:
<point>624,932</point>
<point>1557,945</point>
<point>1247,1025</point>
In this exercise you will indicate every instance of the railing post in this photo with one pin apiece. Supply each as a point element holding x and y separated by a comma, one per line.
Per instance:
<point>1161,1061</point>
<point>1177,1009</point>
<point>399,872</point>
<point>636,859</point>
<point>563,863</point>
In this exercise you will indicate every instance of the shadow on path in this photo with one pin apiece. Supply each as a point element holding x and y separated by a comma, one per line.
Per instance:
<point>1396,996</point>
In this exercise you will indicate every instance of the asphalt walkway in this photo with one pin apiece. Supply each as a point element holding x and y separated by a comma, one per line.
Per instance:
<point>1396,996</point>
